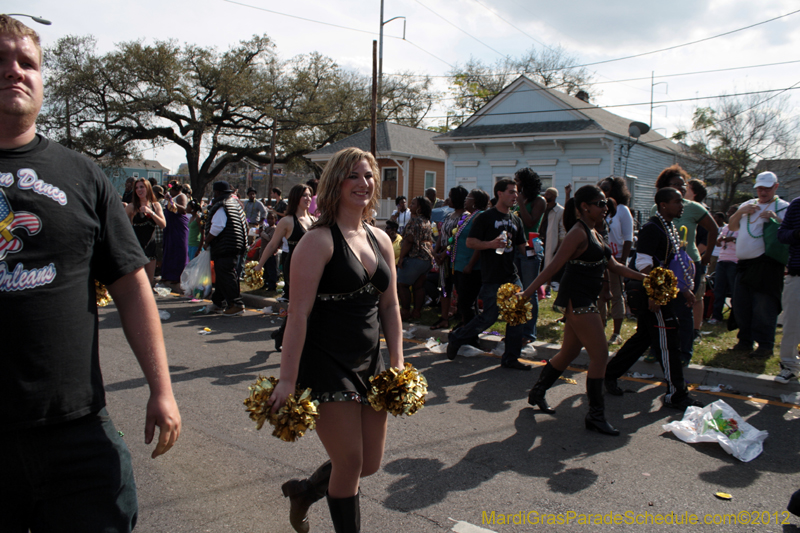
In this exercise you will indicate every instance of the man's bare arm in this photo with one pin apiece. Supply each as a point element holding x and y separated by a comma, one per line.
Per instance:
<point>142,326</point>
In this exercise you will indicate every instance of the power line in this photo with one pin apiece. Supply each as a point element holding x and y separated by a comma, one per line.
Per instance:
<point>681,45</point>
<point>757,104</point>
<point>461,30</point>
<point>535,112</point>
<point>612,81</point>
<point>337,26</point>
<point>510,24</point>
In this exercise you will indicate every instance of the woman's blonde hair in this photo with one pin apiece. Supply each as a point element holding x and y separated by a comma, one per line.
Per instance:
<point>329,191</point>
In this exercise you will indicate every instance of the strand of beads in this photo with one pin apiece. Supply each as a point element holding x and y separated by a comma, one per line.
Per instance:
<point>452,242</point>
<point>672,235</point>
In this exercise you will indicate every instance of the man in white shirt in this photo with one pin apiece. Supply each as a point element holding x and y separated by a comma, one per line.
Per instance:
<point>759,278</point>
<point>402,214</point>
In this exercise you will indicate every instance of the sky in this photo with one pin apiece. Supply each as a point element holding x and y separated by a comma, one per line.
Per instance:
<point>445,33</point>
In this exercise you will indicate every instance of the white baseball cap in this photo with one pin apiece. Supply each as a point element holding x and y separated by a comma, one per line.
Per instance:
<point>766,179</point>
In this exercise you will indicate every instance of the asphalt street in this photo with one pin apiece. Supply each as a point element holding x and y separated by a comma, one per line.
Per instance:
<point>475,457</point>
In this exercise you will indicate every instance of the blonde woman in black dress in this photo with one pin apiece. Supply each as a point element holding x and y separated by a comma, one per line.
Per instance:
<point>344,293</point>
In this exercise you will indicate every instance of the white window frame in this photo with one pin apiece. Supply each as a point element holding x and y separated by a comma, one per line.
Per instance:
<point>152,174</point>
<point>547,177</point>
<point>427,172</point>
<point>135,175</point>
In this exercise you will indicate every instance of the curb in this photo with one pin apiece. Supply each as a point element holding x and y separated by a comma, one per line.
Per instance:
<point>744,383</point>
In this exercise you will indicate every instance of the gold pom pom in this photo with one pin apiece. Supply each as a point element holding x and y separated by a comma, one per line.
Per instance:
<point>298,415</point>
<point>513,309</point>
<point>661,285</point>
<point>101,294</point>
<point>252,278</point>
<point>399,392</point>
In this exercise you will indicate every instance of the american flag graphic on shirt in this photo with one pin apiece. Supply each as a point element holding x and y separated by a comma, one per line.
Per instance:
<point>9,221</point>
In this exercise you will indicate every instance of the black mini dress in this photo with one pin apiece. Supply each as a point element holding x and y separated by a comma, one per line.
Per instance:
<point>342,347</point>
<point>583,277</point>
<point>143,228</point>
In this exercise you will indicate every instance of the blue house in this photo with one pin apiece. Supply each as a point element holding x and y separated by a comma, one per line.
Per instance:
<point>135,168</point>
<point>564,139</point>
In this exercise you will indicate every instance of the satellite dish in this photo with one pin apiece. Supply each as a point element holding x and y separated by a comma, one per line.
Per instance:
<point>636,129</point>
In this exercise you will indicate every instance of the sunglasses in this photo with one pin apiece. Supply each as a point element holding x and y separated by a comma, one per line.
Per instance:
<point>598,203</point>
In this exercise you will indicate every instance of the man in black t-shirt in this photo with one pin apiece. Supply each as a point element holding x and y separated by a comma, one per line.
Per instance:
<point>497,233</point>
<point>657,326</point>
<point>62,226</point>
<point>280,204</point>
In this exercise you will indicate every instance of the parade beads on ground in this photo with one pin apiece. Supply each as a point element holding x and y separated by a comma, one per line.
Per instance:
<point>298,415</point>
<point>661,285</point>
<point>513,309</point>
<point>101,294</point>
<point>399,392</point>
<point>252,278</point>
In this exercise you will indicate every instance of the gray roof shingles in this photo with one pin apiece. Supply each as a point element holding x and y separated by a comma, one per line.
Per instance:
<point>390,138</point>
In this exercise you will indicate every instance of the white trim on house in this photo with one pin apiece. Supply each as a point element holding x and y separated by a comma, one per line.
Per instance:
<point>542,162</point>
<point>468,183</point>
<point>503,163</point>
<point>590,161</point>
<point>465,163</point>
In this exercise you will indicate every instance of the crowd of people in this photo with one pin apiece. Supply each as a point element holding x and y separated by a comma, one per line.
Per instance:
<point>345,295</point>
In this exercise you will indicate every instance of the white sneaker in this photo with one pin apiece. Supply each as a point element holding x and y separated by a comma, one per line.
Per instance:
<point>785,376</point>
<point>615,339</point>
<point>712,321</point>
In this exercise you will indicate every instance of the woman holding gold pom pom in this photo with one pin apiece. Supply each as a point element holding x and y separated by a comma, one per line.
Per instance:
<point>586,257</point>
<point>343,294</point>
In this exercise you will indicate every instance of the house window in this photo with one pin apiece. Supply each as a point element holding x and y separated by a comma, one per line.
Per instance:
<point>547,179</point>
<point>389,185</point>
<point>154,175</point>
<point>468,183</point>
<point>390,174</point>
<point>430,179</point>
<point>135,175</point>
<point>115,174</point>
<point>498,177</point>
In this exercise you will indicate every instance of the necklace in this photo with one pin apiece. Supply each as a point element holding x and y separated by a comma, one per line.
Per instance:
<point>674,241</point>
<point>453,241</point>
<point>762,232</point>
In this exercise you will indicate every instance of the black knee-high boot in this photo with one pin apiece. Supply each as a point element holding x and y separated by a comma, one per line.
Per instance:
<point>345,514</point>
<point>547,377</point>
<point>595,419</point>
<point>302,494</point>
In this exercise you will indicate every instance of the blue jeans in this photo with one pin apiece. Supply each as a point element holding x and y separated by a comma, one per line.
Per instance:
<point>484,320</point>
<point>69,477</point>
<point>528,269</point>
<point>724,281</point>
<point>193,252</point>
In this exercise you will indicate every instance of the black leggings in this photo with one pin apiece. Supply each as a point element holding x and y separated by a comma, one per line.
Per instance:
<point>468,287</point>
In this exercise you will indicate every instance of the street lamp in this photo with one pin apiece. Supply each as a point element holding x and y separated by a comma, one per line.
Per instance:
<point>380,52</point>
<point>635,130</point>
<point>40,20</point>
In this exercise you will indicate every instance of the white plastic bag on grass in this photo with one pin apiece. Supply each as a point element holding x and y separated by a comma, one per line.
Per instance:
<point>718,422</point>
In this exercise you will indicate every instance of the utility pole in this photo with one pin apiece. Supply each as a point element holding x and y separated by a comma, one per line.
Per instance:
<point>380,53</point>
<point>652,84</point>
<point>272,158</point>
<point>373,143</point>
